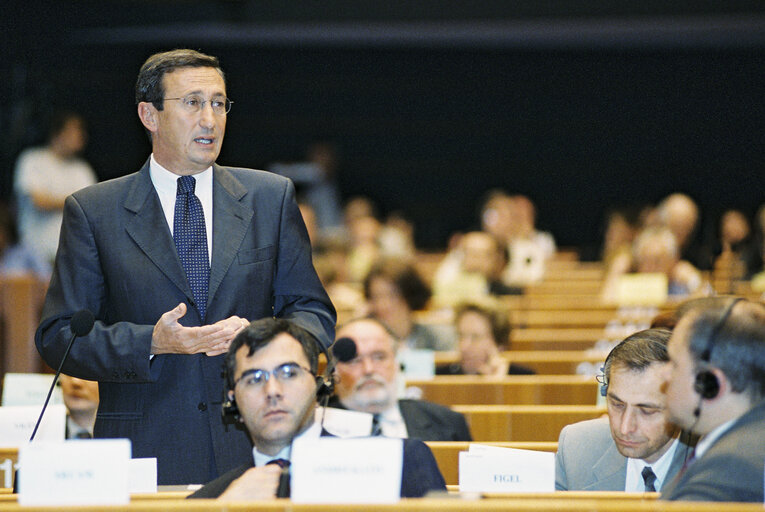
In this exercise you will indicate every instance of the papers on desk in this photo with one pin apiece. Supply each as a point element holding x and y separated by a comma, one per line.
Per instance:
<point>78,472</point>
<point>334,470</point>
<point>18,422</point>
<point>343,422</point>
<point>487,468</point>
<point>642,289</point>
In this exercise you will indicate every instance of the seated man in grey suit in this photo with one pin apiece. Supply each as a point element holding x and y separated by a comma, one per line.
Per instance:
<point>368,383</point>
<point>635,449</point>
<point>716,388</point>
<point>272,388</point>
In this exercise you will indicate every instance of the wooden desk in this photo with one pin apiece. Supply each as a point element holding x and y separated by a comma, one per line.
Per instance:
<point>524,422</point>
<point>543,362</point>
<point>512,390</point>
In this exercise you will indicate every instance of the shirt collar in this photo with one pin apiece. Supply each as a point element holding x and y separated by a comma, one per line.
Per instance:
<point>660,467</point>
<point>166,182</point>
<point>261,459</point>
<point>709,439</point>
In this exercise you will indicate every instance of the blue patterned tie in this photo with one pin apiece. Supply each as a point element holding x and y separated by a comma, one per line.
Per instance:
<point>191,241</point>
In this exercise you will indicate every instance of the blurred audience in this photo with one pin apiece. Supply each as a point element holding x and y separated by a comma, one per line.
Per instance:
<point>655,250</point>
<point>15,257</point>
<point>394,291</point>
<point>483,333</point>
<point>81,400</point>
<point>45,176</point>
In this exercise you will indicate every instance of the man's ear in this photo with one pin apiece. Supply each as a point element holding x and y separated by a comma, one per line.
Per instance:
<point>147,113</point>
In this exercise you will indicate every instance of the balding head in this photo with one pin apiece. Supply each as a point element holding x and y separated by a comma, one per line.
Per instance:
<point>680,214</point>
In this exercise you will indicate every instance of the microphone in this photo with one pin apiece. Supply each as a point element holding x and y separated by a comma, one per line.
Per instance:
<point>81,324</point>
<point>343,351</point>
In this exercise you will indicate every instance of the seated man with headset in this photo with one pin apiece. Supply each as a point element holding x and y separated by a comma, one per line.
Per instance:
<point>716,388</point>
<point>272,388</point>
<point>635,449</point>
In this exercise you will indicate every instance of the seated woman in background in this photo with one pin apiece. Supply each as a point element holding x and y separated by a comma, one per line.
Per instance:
<point>394,291</point>
<point>483,332</point>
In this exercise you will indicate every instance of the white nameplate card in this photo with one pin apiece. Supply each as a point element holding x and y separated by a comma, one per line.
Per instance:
<point>77,472</point>
<point>18,422</point>
<point>495,469</point>
<point>344,423</point>
<point>642,289</point>
<point>142,475</point>
<point>29,389</point>
<point>417,363</point>
<point>334,470</point>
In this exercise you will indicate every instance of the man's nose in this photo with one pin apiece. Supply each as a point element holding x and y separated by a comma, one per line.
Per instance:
<point>273,387</point>
<point>628,421</point>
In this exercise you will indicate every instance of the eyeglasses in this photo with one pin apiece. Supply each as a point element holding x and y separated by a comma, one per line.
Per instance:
<point>194,104</point>
<point>257,378</point>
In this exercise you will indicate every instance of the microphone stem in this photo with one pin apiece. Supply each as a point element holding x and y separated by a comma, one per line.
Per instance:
<point>53,384</point>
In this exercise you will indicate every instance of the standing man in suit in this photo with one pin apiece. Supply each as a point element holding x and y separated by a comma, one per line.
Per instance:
<point>272,386</point>
<point>635,449</point>
<point>173,261</point>
<point>369,383</point>
<point>716,388</point>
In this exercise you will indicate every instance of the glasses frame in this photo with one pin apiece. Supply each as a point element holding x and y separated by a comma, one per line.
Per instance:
<point>268,373</point>
<point>184,101</point>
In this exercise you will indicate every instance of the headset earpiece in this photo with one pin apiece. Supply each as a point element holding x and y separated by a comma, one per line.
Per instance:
<point>706,384</point>
<point>325,386</point>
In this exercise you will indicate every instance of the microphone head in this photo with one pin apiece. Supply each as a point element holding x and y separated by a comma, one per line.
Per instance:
<point>82,322</point>
<point>344,349</point>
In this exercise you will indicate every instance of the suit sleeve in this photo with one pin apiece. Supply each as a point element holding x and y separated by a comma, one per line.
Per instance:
<point>420,473</point>
<point>561,483</point>
<point>298,294</point>
<point>117,352</point>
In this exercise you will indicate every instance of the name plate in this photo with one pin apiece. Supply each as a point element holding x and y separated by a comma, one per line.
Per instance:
<point>29,389</point>
<point>78,472</point>
<point>142,475</point>
<point>334,470</point>
<point>344,423</point>
<point>18,422</point>
<point>495,469</point>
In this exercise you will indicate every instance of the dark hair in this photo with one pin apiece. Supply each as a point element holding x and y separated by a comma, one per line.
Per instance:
<point>59,120</point>
<point>149,86</point>
<point>638,351</point>
<point>669,319</point>
<point>734,343</point>
<point>499,320</point>
<point>260,333</point>
<point>404,277</point>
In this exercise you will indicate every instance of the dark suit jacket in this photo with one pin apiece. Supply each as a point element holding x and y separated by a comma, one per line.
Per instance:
<point>116,257</point>
<point>731,469</point>
<point>419,473</point>
<point>427,421</point>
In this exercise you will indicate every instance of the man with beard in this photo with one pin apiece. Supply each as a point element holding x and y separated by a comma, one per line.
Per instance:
<point>368,383</point>
<point>635,449</point>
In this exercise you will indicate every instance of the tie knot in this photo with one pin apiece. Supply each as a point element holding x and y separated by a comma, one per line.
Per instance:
<point>282,463</point>
<point>649,479</point>
<point>186,185</point>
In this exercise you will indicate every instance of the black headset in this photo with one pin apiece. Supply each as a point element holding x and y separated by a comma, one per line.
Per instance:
<point>706,384</point>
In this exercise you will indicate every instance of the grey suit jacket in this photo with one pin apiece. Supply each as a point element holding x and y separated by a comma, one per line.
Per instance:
<point>587,458</point>
<point>116,257</point>
<point>731,469</point>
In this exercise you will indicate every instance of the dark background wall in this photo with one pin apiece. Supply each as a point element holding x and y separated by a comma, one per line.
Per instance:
<point>580,106</point>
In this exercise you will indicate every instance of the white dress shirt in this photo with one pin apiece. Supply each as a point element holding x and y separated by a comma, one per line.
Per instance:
<point>261,459</point>
<point>635,483</point>
<point>392,423</point>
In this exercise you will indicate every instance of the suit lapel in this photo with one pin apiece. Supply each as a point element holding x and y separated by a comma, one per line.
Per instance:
<point>231,219</point>
<point>610,471</point>
<point>417,425</point>
<point>149,229</point>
